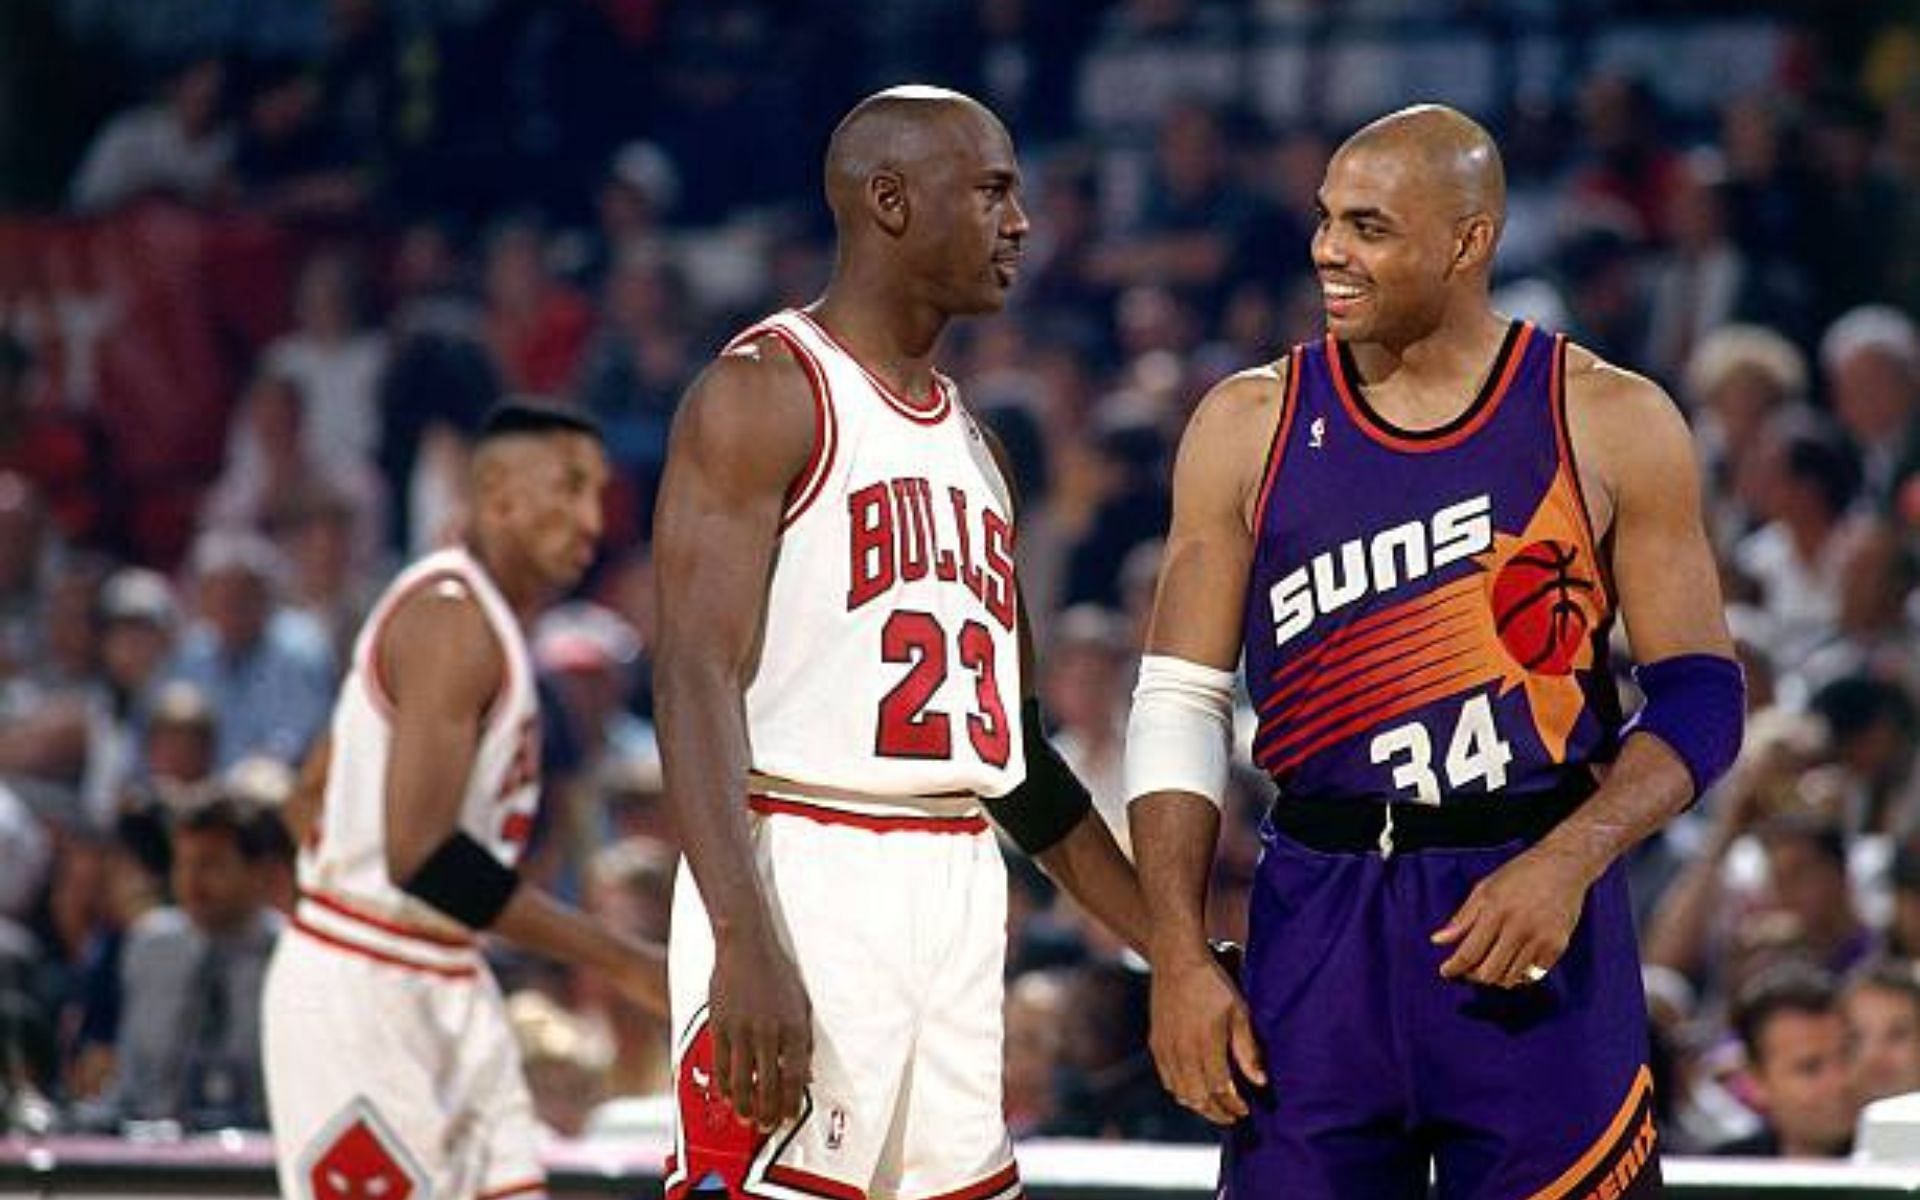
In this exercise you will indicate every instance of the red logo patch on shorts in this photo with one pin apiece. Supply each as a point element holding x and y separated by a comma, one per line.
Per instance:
<point>357,1157</point>
<point>718,1142</point>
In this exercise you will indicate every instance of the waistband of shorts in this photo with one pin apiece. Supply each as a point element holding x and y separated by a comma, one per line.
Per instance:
<point>1367,825</point>
<point>359,928</point>
<point>952,812</point>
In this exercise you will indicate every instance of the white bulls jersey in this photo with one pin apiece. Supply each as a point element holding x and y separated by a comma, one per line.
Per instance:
<point>889,662</point>
<point>345,865</point>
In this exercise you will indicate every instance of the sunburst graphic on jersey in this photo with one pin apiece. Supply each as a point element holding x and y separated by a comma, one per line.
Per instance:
<point>1525,619</point>
<point>1546,600</point>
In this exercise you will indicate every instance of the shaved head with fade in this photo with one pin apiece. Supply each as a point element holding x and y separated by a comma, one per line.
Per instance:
<point>1452,152</point>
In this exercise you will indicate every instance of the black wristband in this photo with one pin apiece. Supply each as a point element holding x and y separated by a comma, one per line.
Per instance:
<point>1050,801</point>
<point>462,879</point>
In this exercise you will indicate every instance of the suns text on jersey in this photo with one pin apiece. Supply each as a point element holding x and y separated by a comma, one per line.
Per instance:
<point>1378,563</point>
<point>899,533</point>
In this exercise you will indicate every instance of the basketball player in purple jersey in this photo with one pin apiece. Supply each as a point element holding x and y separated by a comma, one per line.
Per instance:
<point>1416,532</point>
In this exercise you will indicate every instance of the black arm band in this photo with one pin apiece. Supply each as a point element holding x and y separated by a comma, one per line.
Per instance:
<point>464,881</point>
<point>1050,801</point>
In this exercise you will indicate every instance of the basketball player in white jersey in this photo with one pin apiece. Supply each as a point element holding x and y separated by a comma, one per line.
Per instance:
<point>391,1069</point>
<point>840,684</point>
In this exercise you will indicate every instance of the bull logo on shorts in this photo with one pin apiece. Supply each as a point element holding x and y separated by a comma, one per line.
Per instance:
<point>718,1143</point>
<point>357,1157</point>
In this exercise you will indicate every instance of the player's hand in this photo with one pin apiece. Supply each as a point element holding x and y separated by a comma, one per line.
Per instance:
<point>1199,1020</point>
<point>1520,917</point>
<point>762,1030</point>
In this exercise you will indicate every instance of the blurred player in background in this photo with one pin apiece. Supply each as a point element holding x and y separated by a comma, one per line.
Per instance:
<point>389,1059</point>
<point>1417,531</point>
<point>840,684</point>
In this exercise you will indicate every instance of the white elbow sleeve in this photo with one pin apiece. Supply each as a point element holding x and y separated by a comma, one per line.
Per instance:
<point>1180,734</point>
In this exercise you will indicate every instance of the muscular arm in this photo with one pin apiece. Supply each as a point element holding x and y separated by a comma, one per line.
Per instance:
<point>1197,616</point>
<point>1668,588</point>
<point>446,666</point>
<point>1635,449</point>
<point>744,432</point>
<point>1197,1017</point>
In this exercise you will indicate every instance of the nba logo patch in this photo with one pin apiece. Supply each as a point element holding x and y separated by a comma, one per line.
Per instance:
<point>836,1127</point>
<point>1317,433</point>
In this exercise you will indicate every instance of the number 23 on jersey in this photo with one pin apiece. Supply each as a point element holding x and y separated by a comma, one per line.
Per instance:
<point>908,727</point>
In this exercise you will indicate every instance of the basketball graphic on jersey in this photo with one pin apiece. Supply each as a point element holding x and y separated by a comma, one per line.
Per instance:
<point>1540,606</point>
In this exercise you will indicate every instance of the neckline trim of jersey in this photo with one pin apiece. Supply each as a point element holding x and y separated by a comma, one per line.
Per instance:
<point>1343,368</point>
<point>924,412</point>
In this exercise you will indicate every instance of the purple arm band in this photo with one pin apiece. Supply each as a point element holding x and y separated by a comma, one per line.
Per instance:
<point>1697,705</point>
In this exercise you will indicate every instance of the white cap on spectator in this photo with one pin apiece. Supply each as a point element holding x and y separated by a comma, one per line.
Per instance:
<point>1879,327</point>
<point>137,594</point>
<point>646,169</point>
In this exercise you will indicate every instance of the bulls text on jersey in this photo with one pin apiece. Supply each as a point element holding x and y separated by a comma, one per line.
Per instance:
<point>898,533</point>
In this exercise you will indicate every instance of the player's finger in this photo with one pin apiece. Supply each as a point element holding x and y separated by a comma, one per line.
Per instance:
<point>795,1071</point>
<point>1503,961</point>
<point>1462,921</point>
<point>1224,1101</point>
<point>733,1065</point>
<point>1467,956</point>
<point>1246,1048</point>
<point>767,1110</point>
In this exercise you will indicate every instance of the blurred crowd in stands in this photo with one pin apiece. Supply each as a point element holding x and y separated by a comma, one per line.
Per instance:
<point>266,264</point>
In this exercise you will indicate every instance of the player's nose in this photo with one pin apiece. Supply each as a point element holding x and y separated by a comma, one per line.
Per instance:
<point>1013,221</point>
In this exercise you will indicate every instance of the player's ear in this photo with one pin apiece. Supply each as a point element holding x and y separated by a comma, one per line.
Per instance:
<point>1474,237</point>
<point>887,201</point>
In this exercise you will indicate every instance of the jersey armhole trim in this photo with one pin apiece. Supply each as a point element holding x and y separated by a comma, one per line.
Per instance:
<point>1563,435</point>
<point>1277,448</point>
<point>380,692</point>
<point>811,481</point>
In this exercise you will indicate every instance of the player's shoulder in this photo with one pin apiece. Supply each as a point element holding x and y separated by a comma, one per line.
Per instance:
<point>1619,419</point>
<point>759,364</point>
<point>1248,396</point>
<point>756,387</point>
<point>443,608</point>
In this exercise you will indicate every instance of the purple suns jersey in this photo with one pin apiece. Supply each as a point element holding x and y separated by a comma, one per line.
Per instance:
<point>1426,618</point>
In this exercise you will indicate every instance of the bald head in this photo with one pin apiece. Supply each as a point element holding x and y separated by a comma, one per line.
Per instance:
<point>1453,156</point>
<point>898,130</point>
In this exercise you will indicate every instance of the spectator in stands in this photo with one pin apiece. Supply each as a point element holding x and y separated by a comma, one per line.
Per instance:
<point>138,619</point>
<point>640,360</point>
<point>1737,378</point>
<point>1901,939</point>
<point>1108,1086</point>
<point>189,1042</point>
<point>1085,676</point>
<point>537,325</point>
<point>182,741</point>
<point>1703,280</point>
<point>1037,1020</point>
<point>1806,860</point>
<point>565,1060</point>
<point>1790,1022</point>
<point>1871,725</point>
<point>334,358</point>
<point>630,888</point>
<point>330,580</point>
<point>1882,1006</point>
<point>1858,210</point>
<point>265,671</point>
<point>277,469</point>
<point>1873,635</point>
<point>290,160</point>
<point>1807,480</point>
<point>176,146</point>
<point>1769,188</point>
<point>1195,217</point>
<point>1870,359</point>
<point>1630,168</point>
<point>26,550</point>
